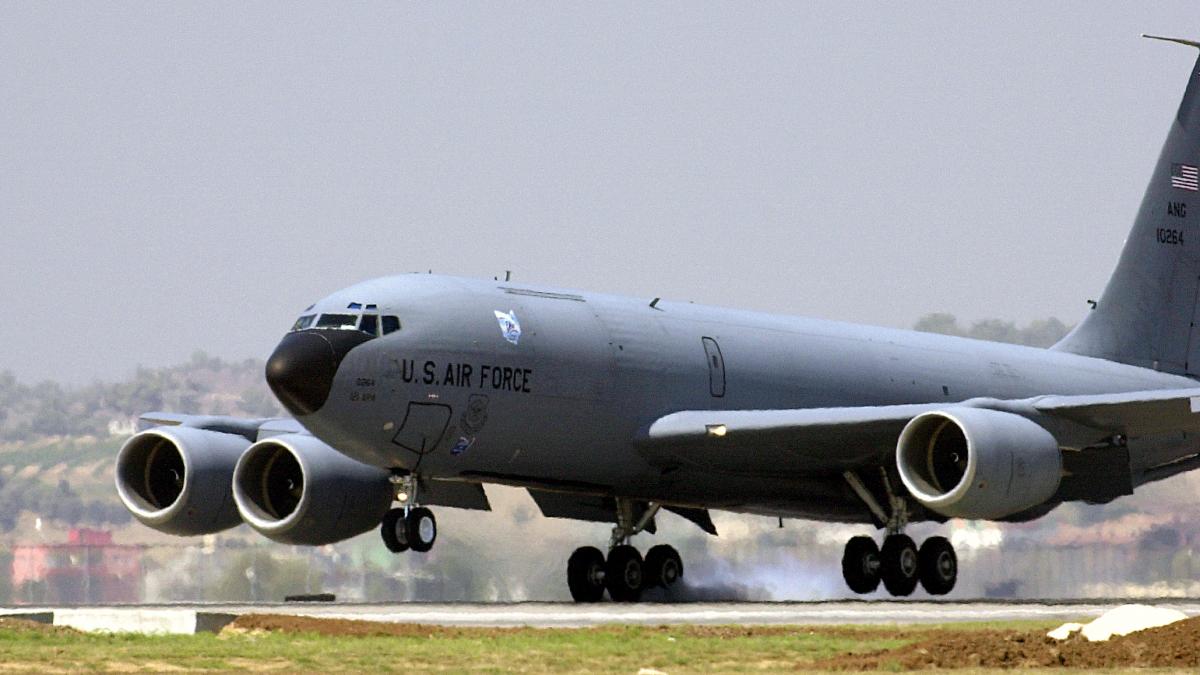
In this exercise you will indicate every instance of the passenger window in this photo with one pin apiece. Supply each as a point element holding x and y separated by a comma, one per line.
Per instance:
<point>391,324</point>
<point>369,325</point>
<point>337,321</point>
<point>303,322</point>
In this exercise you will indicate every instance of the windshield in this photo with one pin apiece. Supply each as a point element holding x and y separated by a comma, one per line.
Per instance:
<point>371,324</point>
<point>338,321</point>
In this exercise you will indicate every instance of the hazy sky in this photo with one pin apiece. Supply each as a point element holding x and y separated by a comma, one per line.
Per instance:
<point>177,177</point>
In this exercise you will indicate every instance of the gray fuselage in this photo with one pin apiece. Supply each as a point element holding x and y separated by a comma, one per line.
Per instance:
<point>449,397</point>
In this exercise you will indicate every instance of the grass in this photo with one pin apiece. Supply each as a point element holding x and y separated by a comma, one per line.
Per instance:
<point>413,648</point>
<point>593,650</point>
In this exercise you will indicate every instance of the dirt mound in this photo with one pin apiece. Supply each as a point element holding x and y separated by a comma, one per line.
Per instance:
<point>13,625</point>
<point>1171,646</point>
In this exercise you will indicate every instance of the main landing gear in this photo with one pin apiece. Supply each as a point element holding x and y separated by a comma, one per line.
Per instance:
<point>624,573</point>
<point>409,526</point>
<point>899,564</point>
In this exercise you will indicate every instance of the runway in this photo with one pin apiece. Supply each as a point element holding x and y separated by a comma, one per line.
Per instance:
<point>190,618</point>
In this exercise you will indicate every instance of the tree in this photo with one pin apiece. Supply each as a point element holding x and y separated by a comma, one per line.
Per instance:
<point>938,322</point>
<point>1044,332</point>
<point>1038,333</point>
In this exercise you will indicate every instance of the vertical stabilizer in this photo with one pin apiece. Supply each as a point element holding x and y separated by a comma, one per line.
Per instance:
<point>1147,315</point>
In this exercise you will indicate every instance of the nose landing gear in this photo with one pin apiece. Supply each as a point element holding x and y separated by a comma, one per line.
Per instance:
<point>409,526</point>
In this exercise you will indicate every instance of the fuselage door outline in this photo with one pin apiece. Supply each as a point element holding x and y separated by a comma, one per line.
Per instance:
<point>716,367</point>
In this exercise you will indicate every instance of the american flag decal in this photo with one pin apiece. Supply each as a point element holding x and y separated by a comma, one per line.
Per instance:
<point>1185,177</point>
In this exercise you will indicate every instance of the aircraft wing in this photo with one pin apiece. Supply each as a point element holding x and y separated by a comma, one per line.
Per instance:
<point>252,429</point>
<point>1134,414</point>
<point>774,441</point>
<point>819,440</point>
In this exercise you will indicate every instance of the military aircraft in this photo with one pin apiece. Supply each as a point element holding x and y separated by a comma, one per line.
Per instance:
<point>416,390</point>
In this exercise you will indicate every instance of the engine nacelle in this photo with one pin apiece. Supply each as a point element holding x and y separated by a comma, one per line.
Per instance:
<point>177,479</point>
<point>976,463</point>
<point>295,489</point>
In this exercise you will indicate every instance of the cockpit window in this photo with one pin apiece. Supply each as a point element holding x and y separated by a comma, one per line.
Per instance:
<point>370,324</point>
<point>338,321</point>
<point>391,324</point>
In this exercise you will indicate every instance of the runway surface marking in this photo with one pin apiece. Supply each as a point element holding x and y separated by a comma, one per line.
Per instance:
<point>565,615</point>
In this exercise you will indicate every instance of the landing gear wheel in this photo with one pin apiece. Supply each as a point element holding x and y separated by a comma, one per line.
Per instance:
<point>394,531</point>
<point>422,529</point>
<point>899,564</point>
<point>938,565</point>
<point>662,567</point>
<point>585,574</point>
<point>860,564</point>
<point>623,574</point>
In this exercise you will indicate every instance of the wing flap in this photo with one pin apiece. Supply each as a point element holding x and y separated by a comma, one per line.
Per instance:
<point>1139,413</point>
<point>778,442</point>
<point>823,440</point>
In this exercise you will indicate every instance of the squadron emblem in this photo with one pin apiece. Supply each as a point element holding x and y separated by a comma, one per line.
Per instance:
<point>510,328</point>
<point>476,414</point>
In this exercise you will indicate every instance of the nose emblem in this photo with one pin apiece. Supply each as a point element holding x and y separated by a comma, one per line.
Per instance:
<point>301,369</point>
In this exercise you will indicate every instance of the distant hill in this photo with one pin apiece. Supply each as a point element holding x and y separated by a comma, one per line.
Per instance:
<point>204,385</point>
<point>57,444</point>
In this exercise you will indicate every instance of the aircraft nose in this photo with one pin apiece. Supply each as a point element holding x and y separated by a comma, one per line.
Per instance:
<point>301,369</point>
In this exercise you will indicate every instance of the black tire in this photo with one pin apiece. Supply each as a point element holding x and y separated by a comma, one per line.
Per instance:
<point>394,531</point>
<point>585,574</point>
<point>422,529</point>
<point>623,574</point>
<point>662,567</point>
<point>939,566</point>
<point>860,564</point>
<point>899,564</point>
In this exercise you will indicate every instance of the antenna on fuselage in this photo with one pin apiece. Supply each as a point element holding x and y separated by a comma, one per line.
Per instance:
<point>1179,41</point>
<point>508,275</point>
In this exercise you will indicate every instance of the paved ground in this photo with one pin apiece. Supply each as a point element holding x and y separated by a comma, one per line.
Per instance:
<point>177,618</point>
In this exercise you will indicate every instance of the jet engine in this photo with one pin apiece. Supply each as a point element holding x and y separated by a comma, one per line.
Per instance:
<point>295,489</point>
<point>176,479</point>
<point>976,463</point>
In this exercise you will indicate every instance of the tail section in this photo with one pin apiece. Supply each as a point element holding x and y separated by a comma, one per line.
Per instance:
<point>1149,314</point>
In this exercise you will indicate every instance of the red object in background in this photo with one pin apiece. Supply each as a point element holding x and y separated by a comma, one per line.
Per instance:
<point>89,568</point>
<point>86,537</point>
